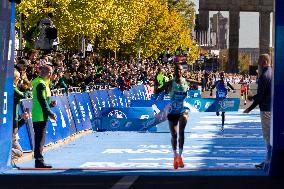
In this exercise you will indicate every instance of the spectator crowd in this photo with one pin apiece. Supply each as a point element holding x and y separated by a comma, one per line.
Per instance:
<point>75,71</point>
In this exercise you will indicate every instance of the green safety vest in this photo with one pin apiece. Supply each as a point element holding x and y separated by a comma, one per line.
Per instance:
<point>37,112</point>
<point>161,80</point>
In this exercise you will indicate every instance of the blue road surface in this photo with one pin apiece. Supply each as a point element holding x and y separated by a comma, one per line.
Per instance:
<point>207,150</point>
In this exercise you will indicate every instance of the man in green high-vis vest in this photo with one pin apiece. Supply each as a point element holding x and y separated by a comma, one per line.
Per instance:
<point>41,112</point>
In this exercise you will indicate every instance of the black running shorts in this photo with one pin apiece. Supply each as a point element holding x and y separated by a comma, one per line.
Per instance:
<point>174,117</point>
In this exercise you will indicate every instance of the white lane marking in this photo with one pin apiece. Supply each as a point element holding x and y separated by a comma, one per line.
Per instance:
<point>189,158</point>
<point>206,127</point>
<point>125,182</point>
<point>165,165</point>
<point>227,116</point>
<point>227,122</point>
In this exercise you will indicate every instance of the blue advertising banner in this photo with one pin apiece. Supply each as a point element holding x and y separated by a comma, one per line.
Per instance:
<point>194,104</point>
<point>94,96</point>
<point>164,96</point>
<point>127,95</point>
<point>123,124</point>
<point>131,112</point>
<point>157,105</point>
<point>143,92</point>
<point>67,113</point>
<point>104,99</point>
<point>24,136</point>
<point>117,99</point>
<point>88,105</point>
<point>120,99</point>
<point>83,112</point>
<point>194,94</point>
<point>75,112</point>
<point>27,105</point>
<point>126,119</point>
<point>212,104</point>
<point>60,128</point>
<point>7,38</point>
<point>277,127</point>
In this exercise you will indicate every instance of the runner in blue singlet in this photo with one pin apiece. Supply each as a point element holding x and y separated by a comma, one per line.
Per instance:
<point>221,92</point>
<point>178,113</point>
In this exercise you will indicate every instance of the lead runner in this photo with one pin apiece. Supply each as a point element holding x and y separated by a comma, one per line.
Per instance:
<point>178,113</point>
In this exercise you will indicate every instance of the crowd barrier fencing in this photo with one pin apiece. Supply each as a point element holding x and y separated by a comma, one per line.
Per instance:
<point>112,110</point>
<point>79,111</point>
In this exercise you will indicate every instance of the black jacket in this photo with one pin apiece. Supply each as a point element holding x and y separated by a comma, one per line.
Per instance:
<point>263,96</point>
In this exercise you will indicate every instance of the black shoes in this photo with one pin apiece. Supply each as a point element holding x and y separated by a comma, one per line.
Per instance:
<point>260,166</point>
<point>14,166</point>
<point>41,164</point>
<point>217,113</point>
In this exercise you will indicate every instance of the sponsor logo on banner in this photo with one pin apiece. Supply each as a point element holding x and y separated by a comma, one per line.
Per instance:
<point>5,107</point>
<point>89,110</point>
<point>76,111</point>
<point>128,124</point>
<point>144,116</point>
<point>227,103</point>
<point>114,123</point>
<point>94,107</point>
<point>82,111</point>
<point>197,104</point>
<point>54,124</point>
<point>207,104</point>
<point>117,114</point>
<point>62,119</point>
<point>69,114</point>
<point>103,104</point>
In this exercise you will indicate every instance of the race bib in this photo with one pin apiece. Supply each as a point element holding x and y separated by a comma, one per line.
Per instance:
<point>222,94</point>
<point>176,107</point>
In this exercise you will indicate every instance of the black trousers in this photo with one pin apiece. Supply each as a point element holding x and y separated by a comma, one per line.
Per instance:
<point>40,133</point>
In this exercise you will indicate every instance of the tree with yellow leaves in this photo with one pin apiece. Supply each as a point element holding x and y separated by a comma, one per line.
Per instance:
<point>114,24</point>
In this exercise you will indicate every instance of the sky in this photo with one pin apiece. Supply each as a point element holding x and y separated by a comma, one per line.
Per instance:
<point>249,27</point>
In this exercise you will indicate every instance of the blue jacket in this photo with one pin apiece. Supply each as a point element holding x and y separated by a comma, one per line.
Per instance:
<point>263,96</point>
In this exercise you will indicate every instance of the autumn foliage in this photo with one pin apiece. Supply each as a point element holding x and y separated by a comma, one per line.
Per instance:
<point>115,24</point>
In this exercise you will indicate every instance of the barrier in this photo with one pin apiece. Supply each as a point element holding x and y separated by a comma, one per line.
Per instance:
<point>194,104</point>
<point>126,119</point>
<point>111,110</point>
<point>81,111</point>
<point>7,41</point>
<point>84,104</point>
<point>56,130</point>
<point>212,104</point>
<point>161,107</point>
<point>27,105</point>
<point>24,136</point>
<point>194,94</point>
<point>82,122</point>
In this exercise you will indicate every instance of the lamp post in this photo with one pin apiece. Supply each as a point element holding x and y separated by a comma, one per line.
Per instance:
<point>139,47</point>
<point>21,34</point>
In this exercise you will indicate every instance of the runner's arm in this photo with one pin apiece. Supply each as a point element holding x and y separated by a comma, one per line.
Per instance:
<point>191,81</point>
<point>229,85</point>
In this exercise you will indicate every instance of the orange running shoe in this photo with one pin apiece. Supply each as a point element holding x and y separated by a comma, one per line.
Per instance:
<point>180,162</point>
<point>175,162</point>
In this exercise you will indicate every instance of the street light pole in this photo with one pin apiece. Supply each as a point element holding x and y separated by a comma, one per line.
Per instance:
<point>139,47</point>
<point>21,34</point>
